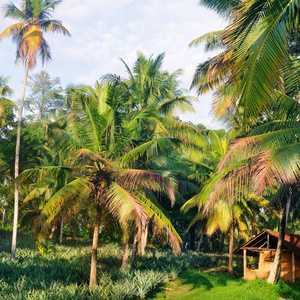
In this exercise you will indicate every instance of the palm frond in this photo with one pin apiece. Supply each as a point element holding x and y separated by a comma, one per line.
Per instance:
<point>212,41</point>
<point>147,179</point>
<point>123,205</point>
<point>80,187</point>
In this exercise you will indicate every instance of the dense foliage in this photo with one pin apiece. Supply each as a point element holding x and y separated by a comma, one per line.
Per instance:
<point>114,163</point>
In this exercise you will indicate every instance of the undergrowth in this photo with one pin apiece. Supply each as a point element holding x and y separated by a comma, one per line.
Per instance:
<point>64,272</point>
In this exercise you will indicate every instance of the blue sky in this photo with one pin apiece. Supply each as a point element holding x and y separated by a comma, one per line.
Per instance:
<point>105,30</point>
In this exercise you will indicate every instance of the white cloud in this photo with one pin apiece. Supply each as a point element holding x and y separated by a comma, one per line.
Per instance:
<point>104,30</point>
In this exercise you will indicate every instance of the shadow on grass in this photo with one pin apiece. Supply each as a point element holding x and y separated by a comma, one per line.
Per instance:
<point>195,279</point>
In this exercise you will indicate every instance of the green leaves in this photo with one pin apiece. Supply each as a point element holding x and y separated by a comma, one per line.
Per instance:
<point>72,192</point>
<point>161,222</point>
<point>259,36</point>
<point>212,41</point>
<point>124,206</point>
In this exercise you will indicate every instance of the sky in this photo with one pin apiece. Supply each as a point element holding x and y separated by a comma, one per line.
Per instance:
<point>103,31</point>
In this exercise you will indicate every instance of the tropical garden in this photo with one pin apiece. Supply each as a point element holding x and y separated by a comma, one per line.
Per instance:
<point>105,193</point>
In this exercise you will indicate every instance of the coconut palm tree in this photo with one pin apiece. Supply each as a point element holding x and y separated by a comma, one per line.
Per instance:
<point>249,167</point>
<point>222,215</point>
<point>28,34</point>
<point>152,98</point>
<point>265,160</point>
<point>95,138</point>
<point>261,35</point>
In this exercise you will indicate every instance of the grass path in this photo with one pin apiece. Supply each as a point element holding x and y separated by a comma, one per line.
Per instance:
<point>220,286</point>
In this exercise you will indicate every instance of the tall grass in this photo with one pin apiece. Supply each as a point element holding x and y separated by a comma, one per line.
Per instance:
<point>64,272</point>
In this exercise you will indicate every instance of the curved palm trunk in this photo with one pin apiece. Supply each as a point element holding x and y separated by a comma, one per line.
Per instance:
<point>276,268</point>
<point>93,274</point>
<point>230,269</point>
<point>17,158</point>
<point>200,242</point>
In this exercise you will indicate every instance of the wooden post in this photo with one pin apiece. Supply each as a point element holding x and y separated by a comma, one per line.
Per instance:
<point>293,267</point>
<point>245,262</point>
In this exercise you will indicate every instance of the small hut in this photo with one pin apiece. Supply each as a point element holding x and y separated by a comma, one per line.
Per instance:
<point>264,245</point>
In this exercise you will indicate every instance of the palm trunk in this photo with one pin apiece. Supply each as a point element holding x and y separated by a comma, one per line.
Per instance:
<point>288,206</point>
<point>252,228</point>
<point>4,212</point>
<point>17,158</point>
<point>52,232</point>
<point>143,239</point>
<point>230,269</point>
<point>135,239</point>
<point>192,237</point>
<point>93,274</point>
<point>74,230</point>
<point>275,271</point>
<point>125,256</point>
<point>61,230</point>
<point>184,242</point>
<point>200,242</point>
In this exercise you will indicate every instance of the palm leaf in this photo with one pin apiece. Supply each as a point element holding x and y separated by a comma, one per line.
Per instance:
<point>147,179</point>
<point>161,221</point>
<point>123,205</point>
<point>212,41</point>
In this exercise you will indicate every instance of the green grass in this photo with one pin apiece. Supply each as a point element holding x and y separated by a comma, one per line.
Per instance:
<point>220,286</point>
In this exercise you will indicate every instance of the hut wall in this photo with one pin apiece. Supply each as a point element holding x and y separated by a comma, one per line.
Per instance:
<point>266,260</point>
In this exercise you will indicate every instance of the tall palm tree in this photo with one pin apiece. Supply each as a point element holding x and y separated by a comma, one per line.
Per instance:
<point>28,34</point>
<point>100,176</point>
<point>152,98</point>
